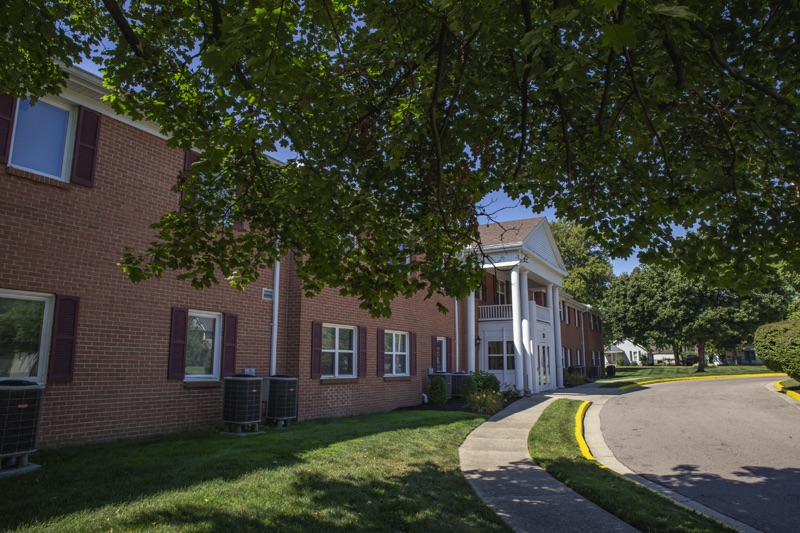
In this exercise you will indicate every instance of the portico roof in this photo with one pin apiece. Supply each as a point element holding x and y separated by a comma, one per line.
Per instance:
<point>528,242</point>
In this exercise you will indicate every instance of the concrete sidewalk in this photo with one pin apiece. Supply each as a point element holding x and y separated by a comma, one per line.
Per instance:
<point>496,462</point>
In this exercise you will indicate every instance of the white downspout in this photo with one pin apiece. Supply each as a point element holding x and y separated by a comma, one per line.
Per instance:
<point>455,346</point>
<point>276,291</point>
<point>471,332</point>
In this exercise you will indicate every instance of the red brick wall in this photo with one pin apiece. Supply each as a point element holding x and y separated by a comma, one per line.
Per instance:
<point>581,338</point>
<point>321,398</point>
<point>66,239</point>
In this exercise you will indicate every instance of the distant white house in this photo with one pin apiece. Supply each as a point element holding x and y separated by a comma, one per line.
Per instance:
<point>625,352</point>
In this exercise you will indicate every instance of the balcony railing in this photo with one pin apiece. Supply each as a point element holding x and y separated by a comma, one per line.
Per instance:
<point>494,312</point>
<point>503,312</point>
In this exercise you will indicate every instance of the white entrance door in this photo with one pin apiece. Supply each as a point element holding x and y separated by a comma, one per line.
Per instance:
<point>500,361</point>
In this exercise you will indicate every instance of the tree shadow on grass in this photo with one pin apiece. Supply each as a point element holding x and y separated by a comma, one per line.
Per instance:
<point>422,499</point>
<point>87,478</point>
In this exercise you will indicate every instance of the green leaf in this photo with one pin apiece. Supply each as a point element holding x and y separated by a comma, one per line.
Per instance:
<point>618,36</point>
<point>681,12</point>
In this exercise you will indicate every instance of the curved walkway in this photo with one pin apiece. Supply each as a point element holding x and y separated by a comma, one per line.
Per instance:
<point>496,462</point>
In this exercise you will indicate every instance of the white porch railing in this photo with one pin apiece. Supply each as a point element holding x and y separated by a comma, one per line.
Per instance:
<point>494,312</point>
<point>503,312</point>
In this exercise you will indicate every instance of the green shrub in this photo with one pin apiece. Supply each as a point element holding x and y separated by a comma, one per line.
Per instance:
<point>486,402</point>
<point>778,346</point>
<point>511,393</point>
<point>437,394</point>
<point>468,386</point>
<point>486,381</point>
<point>575,377</point>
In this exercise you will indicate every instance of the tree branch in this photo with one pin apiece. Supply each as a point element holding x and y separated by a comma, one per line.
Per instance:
<point>677,60</point>
<point>125,28</point>
<point>718,112</point>
<point>769,91</point>
<point>523,119</point>
<point>618,17</point>
<point>635,85</point>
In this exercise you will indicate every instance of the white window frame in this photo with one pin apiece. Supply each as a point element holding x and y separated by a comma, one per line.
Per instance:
<point>393,353</point>
<point>46,334</point>
<point>217,362</point>
<point>441,344</point>
<point>69,142</point>
<point>336,351</point>
<point>500,295</point>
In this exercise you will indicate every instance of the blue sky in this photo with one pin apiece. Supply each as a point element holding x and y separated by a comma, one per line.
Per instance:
<point>505,209</point>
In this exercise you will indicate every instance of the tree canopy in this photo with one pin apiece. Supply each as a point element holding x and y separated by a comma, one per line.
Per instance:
<point>657,306</point>
<point>667,127</point>
<point>589,269</point>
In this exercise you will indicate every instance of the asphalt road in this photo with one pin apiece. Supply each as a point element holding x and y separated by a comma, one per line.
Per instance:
<point>730,444</point>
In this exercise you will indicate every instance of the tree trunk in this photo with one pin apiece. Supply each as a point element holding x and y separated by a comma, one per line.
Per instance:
<point>677,355</point>
<point>701,355</point>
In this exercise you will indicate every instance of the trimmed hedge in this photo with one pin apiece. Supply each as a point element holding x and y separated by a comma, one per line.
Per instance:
<point>778,345</point>
<point>437,393</point>
<point>468,386</point>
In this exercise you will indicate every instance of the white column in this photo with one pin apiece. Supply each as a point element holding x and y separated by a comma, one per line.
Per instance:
<point>471,332</point>
<point>557,334</point>
<point>526,334</point>
<point>516,324</point>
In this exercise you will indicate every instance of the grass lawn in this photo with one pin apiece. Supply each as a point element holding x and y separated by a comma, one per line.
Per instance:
<point>553,446</point>
<point>390,472</point>
<point>627,375</point>
<point>791,384</point>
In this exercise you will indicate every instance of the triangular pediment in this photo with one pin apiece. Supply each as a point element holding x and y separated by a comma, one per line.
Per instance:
<point>541,244</point>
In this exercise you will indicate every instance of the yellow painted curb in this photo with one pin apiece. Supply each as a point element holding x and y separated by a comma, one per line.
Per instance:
<point>790,393</point>
<point>693,378</point>
<point>579,431</point>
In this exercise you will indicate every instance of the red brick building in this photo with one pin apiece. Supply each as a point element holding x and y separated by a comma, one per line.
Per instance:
<point>119,360</point>
<point>581,337</point>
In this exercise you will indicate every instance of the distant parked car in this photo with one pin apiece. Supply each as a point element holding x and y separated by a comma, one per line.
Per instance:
<point>690,360</point>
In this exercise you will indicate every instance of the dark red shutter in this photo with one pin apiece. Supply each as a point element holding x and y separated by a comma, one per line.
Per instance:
<point>189,159</point>
<point>412,352</point>
<point>362,351</point>
<point>177,343</point>
<point>434,362</point>
<point>316,350</point>
<point>65,331</point>
<point>229,333</point>
<point>449,351</point>
<point>8,107</point>
<point>87,139</point>
<point>381,340</point>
